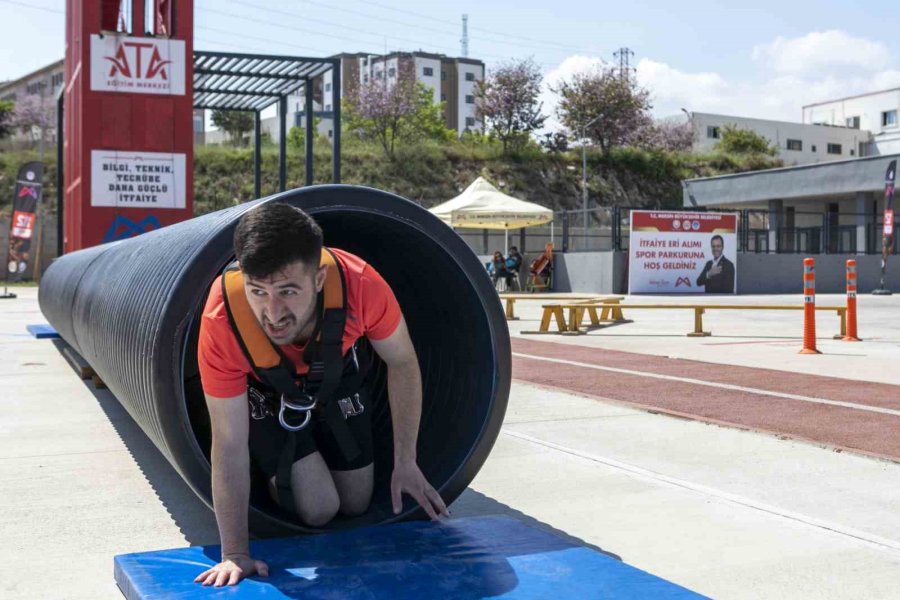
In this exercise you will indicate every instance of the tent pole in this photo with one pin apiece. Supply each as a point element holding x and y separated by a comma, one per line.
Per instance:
<point>505,242</point>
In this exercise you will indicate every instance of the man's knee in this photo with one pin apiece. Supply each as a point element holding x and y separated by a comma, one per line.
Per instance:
<point>355,504</point>
<point>319,513</point>
<point>317,516</point>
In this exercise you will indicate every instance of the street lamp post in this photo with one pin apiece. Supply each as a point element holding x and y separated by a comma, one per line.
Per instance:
<point>584,193</point>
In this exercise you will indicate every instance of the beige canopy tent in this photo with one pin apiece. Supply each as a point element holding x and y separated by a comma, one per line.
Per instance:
<point>482,206</point>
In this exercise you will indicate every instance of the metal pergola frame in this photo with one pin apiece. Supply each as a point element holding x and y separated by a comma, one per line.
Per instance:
<point>254,82</point>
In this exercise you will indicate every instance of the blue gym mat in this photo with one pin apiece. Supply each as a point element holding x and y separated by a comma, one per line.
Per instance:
<point>479,557</point>
<point>42,331</point>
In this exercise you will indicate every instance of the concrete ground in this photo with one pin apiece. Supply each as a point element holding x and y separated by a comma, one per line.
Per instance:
<point>725,512</point>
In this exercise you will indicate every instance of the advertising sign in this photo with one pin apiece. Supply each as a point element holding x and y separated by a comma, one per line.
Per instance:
<point>137,65</point>
<point>682,253</point>
<point>25,201</point>
<point>137,179</point>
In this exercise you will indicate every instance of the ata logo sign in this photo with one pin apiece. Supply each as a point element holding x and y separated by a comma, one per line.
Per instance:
<point>683,281</point>
<point>122,65</point>
<point>137,65</point>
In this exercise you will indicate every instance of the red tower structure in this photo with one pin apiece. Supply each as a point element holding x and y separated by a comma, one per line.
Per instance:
<point>127,119</point>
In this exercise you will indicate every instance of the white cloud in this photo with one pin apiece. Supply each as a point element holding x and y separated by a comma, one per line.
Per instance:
<point>822,51</point>
<point>795,72</point>
<point>566,69</point>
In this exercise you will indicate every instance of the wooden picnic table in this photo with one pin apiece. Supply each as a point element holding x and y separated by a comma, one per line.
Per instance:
<point>614,313</point>
<point>510,300</point>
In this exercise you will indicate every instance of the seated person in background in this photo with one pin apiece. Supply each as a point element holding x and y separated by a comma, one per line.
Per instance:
<point>497,268</point>
<point>514,262</point>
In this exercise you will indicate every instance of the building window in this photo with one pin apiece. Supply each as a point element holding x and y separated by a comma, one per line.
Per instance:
<point>366,78</point>
<point>470,99</point>
<point>34,88</point>
<point>470,121</point>
<point>835,149</point>
<point>57,79</point>
<point>198,124</point>
<point>812,148</point>
<point>795,145</point>
<point>852,152</point>
<point>852,122</point>
<point>712,132</point>
<point>327,87</point>
<point>327,108</point>
<point>428,71</point>
<point>889,118</point>
<point>443,97</point>
<point>392,71</point>
<point>330,133</point>
<point>470,76</point>
<point>443,75</point>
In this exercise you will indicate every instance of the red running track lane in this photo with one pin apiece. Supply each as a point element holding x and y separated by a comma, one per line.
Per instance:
<point>842,427</point>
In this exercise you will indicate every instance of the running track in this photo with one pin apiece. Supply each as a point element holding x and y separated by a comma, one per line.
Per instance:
<point>854,415</point>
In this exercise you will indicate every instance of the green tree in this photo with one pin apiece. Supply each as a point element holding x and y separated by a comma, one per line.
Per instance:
<point>235,123</point>
<point>296,137</point>
<point>616,108</point>
<point>389,111</point>
<point>735,140</point>
<point>7,109</point>
<point>509,101</point>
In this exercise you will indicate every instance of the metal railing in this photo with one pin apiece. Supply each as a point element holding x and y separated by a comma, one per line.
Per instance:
<point>759,231</point>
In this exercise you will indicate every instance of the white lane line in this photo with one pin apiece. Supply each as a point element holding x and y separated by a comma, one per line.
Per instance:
<point>724,386</point>
<point>641,473</point>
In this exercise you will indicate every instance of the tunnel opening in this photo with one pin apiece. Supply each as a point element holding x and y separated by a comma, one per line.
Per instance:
<point>451,333</point>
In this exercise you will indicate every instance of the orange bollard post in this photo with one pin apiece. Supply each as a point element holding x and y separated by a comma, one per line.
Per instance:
<point>851,302</point>
<point>809,307</point>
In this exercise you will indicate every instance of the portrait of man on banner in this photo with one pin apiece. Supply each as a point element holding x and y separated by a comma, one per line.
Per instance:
<point>717,276</point>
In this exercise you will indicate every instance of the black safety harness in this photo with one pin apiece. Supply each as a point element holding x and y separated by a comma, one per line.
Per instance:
<point>332,386</point>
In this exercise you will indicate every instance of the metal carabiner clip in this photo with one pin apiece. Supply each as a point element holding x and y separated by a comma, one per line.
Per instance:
<point>286,405</point>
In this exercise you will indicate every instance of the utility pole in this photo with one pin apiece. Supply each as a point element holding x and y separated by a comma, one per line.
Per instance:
<point>624,55</point>
<point>465,36</point>
<point>584,192</point>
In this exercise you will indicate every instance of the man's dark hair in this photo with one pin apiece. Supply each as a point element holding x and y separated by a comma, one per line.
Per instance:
<point>511,248</point>
<point>717,237</point>
<point>270,237</point>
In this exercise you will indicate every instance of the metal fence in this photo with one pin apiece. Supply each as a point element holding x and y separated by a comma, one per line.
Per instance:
<point>609,228</point>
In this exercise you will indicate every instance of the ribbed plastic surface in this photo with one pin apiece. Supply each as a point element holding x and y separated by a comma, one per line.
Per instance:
<point>129,309</point>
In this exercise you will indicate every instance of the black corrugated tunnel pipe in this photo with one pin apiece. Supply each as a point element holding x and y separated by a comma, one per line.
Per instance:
<point>131,310</point>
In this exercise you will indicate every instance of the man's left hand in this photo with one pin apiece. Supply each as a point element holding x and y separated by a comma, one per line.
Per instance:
<point>408,478</point>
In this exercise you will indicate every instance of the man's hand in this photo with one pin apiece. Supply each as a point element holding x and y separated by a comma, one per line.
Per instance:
<point>713,271</point>
<point>409,479</point>
<point>231,570</point>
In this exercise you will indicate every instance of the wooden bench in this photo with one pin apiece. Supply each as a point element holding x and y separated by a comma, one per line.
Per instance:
<point>614,314</point>
<point>510,300</point>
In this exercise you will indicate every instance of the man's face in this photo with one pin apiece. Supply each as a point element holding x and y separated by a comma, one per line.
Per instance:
<point>285,303</point>
<point>717,247</point>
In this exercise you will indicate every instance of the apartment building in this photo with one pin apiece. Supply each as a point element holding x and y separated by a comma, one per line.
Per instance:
<point>452,80</point>
<point>797,143</point>
<point>45,84</point>
<point>876,112</point>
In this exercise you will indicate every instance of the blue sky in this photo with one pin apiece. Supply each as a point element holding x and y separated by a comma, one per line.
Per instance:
<point>766,60</point>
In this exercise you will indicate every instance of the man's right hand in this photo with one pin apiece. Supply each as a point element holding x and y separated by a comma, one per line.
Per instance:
<point>231,570</point>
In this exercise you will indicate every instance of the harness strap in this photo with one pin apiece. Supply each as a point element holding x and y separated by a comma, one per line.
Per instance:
<point>323,354</point>
<point>283,475</point>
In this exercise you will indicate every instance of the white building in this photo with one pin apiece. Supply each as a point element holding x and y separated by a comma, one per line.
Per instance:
<point>797,143</point>
<point>451,79</point>
<point>877,112</point>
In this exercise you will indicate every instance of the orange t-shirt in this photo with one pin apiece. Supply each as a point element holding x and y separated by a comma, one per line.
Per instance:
<point>372,311</point>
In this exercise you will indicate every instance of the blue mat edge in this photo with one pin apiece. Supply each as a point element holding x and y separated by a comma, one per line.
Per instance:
<point>131,588</point>
<point>42,331</point>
